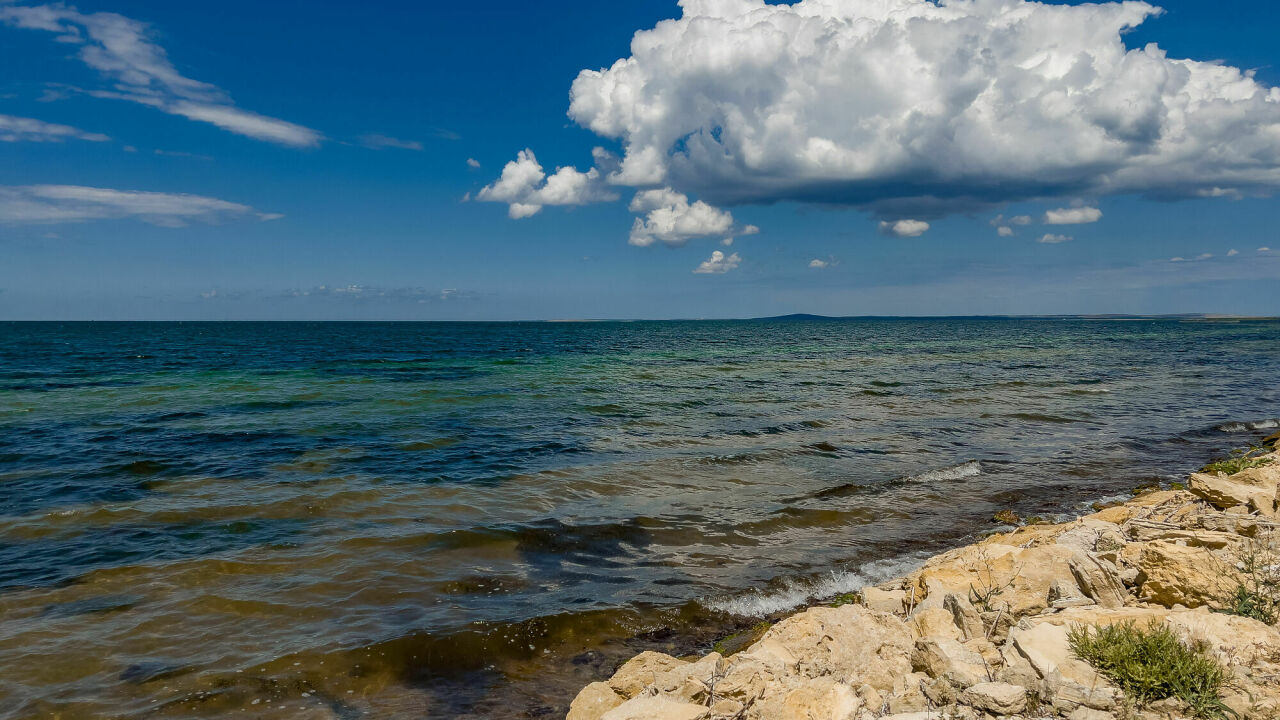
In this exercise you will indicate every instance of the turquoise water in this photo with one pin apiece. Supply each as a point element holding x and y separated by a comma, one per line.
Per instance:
<point>473,520</point>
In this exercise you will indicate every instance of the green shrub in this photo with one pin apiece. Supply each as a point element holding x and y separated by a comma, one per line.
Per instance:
<point>1153,664</point>
<point>1257,595</point>
<point>1241,459</point>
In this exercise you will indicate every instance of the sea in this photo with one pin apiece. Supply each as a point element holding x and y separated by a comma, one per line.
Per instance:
<point>474,520</point>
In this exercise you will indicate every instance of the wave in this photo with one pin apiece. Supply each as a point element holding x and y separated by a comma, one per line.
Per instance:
<point>795,593</point>
<point>954,472</point>
<point>1235,427</point>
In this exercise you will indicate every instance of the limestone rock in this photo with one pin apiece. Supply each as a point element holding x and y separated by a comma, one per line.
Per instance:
<point>935,621</point>
<point>1098,579</point>
<point>593,702</point>
<point>1255,488</point>
<point>908,694</point>
<point>996,698</point>
<point>641,671</point>
<point>889,601</point>
<point>690,682</point>
<point>1084,713</point>
<point>1068,682</point>
<point>656,707</point>
<point>850,643</point>
<point>818,699</point>
<point>965,616</point>
<point>945,658</point>
<point>1172,574</point>
<point>994,576</point>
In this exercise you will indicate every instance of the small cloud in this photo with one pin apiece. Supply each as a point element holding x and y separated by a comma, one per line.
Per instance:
<point>378,141</point>
<point>130,149</point>
<point>473,163</point>
<point>718,264</point>
<point>267,217</point>
<point>817,263</point>
<point>1264,250</point>
<point>526,187</point>
<point>1072,216</point>
<point>672,220</point>
<point>1177,259</point>
<point>1051,239</point>
<point>47,204</point>
<point>1232,252</point>
<point>1204,256</point>
<point>19,129</point>
<point>1216,192</point>
<point>750,230</point>
<point>727,242</point>
<point>209,295</point>
<point>904,228</point>
<point>1004,231</point>
<point>1015,220</point>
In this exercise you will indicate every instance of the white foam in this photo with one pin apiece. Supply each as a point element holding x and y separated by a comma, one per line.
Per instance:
<point>1235,427</point>
<point>801,592</point>
<point>955,472</point>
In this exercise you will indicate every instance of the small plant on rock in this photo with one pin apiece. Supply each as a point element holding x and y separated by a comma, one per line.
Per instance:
<point>1257,595</point>
<point>1152,664</point>
<point>1241,459</point>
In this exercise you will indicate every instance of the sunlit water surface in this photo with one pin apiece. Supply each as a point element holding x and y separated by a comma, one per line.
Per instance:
<point>473,520</point>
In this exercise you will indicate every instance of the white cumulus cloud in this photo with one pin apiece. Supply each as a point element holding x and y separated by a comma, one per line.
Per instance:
<point>75,203</point>
<point>20,129</point>
<point>1072,216</point>
<point>525,187</point>
<point>473,163</point>
<point>718,263</point>
<point>1004,231</point>
<point>904,228</point>
<point>122,49</point>
<point>1051,239</point>
<point>672,220</point>
<point>911,108</point>
<point>817,263</point>
<point>1232,252</point>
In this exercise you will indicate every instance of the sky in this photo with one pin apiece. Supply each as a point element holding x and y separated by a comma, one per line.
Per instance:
<point>643,159</point>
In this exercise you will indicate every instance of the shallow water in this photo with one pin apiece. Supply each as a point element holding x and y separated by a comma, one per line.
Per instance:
<point>473,520</point>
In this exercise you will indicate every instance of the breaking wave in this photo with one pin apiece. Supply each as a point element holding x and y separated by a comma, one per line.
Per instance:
<point>795,593</point>
<point>954,472</point>
<point>1234,427</point>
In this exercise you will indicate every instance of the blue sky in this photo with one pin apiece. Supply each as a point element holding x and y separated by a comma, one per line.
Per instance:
<point>310,161</point>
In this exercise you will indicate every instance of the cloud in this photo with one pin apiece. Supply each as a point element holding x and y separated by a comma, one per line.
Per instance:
<point>122,50</point>
<point>920,109</point>
<point>377,141</point>
<point>1177,259</point>
<point>1264,250</point>
<point>1072,216</point>
<point>672,220</point>
<point>73,203</point>
<point>1051,239</point>
<point>1232,252</point>
<point>718,264</point>
<point>18,129</point>
<point>526,188</point>
<point>373,293</point>
<point>1204,256</point>
<point>1004,231</point>
<point>817,263</point>
<point>749,230</point>
<point>473,163</point>
<point>904,228</point>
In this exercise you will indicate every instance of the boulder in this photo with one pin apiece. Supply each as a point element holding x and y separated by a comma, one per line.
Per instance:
<point>890,601</point>
<point>641,671</point>
<point>850,643</point>
<point>965,616</point>
<point>593,702</point>
<point>947,659</point>
<point>1172,574</point>
<point>690,682</point>
<point>1067,682</point>
<point>995,577</point>
<point>746,679</point>
<point>1098,579</point>
<point>996,698</point>
<point>656,707</point>
<point>935,621</point>
<point>815,699</point>
<point>1255,488</point>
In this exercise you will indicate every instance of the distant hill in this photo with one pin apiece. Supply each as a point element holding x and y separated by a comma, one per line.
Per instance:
<point>797,317</point>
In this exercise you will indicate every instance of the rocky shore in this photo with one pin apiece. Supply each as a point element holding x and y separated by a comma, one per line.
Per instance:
<point>994,630</point>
